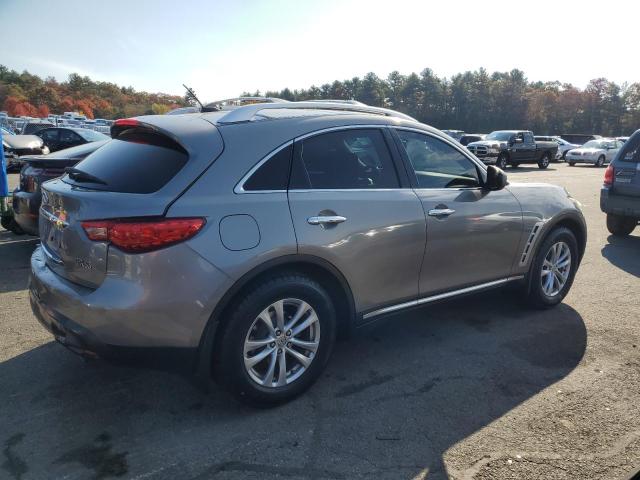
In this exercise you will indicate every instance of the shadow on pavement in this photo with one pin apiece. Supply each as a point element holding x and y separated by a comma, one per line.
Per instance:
<point>15,255</point>
<point>624,253</point>
<point>391,403</point>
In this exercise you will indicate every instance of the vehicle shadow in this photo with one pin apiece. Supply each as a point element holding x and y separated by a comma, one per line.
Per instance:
<point>624,253</point>
<point>532,168</point>
<point>15,252</point>
<point>392,401</point>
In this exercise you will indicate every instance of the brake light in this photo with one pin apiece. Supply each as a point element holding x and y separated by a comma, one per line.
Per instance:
<point>608,176</point>
<point>126,122</point>
<point>137,236</point>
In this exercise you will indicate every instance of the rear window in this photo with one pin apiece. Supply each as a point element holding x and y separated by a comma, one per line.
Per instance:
<point>135,162</point>
<point>631,150</point>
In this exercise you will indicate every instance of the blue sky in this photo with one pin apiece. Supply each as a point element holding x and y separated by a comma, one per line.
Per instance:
<point>224,48</point>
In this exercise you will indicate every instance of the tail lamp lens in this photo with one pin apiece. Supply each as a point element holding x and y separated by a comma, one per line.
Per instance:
<point>608,175</point>
<point>137,236</point>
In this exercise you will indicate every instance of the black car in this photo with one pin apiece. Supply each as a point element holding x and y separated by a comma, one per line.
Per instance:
<point>59,138</point>
<point>34,126</point>
<point>39,169</point>
<point>467,138</point>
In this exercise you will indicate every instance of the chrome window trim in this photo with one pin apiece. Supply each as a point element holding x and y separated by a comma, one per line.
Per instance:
<point>440,296</point>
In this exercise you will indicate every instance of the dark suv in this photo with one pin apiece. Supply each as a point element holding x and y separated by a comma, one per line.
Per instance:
<point>620,194</point>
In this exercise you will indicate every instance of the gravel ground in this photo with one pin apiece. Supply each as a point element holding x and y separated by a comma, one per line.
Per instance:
<point>475,389</point>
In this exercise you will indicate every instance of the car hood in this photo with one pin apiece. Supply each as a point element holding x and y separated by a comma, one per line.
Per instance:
<point>22,141</point>
<point>587,151</point>
<point>485,143</point>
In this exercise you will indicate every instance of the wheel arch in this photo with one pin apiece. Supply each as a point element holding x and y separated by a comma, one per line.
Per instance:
<point>317,268</point>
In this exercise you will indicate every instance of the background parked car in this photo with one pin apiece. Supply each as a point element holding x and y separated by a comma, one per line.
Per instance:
<point>15,146</point>
<point>622,139</point>
<point>620,194</point>
<point>39,169</point>
<point>59,138</point>
<point>33,126</point>
<point>596,152</point>
<point>563,145</point>
<point>455,134</point>
<point>579,138</point>
<point>468,138</point>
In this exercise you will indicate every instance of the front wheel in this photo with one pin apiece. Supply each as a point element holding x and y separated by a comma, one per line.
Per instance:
<point>600,161</point>
<point>553,269</point>
<point>544,161</point>
<point>277,340</point>
<point>620,226</point>
<point>572,164</point>
<point>501,161</point>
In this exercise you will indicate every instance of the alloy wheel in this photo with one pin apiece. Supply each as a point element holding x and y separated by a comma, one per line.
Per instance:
<point>555,269</point>
<point>281,343</point>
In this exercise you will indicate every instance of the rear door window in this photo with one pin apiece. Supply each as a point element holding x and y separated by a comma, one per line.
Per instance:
<point>135,162</point>
<point>346,159</point>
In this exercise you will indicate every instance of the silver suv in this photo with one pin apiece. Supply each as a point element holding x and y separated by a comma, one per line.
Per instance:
<point>239,244</point>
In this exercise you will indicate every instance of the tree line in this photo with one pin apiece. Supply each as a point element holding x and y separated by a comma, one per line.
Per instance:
<point>476,101</point>
<point>29,95</point>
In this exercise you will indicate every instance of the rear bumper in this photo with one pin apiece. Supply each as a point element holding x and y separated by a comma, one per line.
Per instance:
<point>25,210</point>
<point>157,325</point>
<point>624,205</point>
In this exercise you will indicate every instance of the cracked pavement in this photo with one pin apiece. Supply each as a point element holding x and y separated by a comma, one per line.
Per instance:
<point>475,389</point>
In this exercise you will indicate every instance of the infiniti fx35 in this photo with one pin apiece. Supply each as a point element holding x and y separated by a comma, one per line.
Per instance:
<point>238,244</point>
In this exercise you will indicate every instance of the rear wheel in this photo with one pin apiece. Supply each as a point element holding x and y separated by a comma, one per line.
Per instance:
<point>544,161</point>
<point>600,161</point>
<point>277,340</point>
<point>553,269</point>
<point>501,161</point>
<point>620,226</point>
<point>515,165</point>
<point>572,164</point>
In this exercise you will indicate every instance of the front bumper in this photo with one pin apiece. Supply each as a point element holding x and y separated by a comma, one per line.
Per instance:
<point>25,210</point>
<point>580,159</point>
<point>623,205</point>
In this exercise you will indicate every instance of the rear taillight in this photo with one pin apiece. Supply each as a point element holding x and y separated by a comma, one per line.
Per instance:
<point>137,236</point>
<point>608,175</point>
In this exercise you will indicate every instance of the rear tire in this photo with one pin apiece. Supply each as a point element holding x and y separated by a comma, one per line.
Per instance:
<point>515,165</point>
<point>262,383</point>
<point>620,226</point>
<point>544,161</point>
<point>600,161</point>
<point>546,286</point>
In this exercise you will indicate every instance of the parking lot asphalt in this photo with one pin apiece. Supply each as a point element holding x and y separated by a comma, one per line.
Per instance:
<point>480,388</point>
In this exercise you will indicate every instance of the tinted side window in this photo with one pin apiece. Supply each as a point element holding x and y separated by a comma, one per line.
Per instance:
<point>354,158</point>
<point>68,136</point>
<point>49,134</point>
<point>273,174</point>
<point>437,164</point>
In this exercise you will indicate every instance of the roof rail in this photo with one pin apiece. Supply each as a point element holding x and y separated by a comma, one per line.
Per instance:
<point>247,112</point>
<point>229,103</point>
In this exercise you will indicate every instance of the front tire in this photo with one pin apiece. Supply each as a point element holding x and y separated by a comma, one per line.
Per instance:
<point>501,161</point>
<point>544,161</point>
<point>600,161</point>
<point>553,269</point>
<point>572,164</point>
<point>276,341</point>
<point>620,226</point>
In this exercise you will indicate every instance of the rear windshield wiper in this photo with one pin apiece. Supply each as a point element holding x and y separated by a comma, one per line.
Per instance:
<point>81,176</point>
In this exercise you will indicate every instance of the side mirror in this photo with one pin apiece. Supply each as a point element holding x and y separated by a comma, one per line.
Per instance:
<point>496,178</point>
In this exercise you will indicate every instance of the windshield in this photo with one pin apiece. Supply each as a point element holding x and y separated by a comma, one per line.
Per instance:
<point>6,132</point>
<point>500,136</point>
<point>593,144</point>
<point>92,136</point>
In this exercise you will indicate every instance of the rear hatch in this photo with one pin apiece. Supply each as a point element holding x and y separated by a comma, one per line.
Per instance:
<point>149,163</point>
<point>626,166</point>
